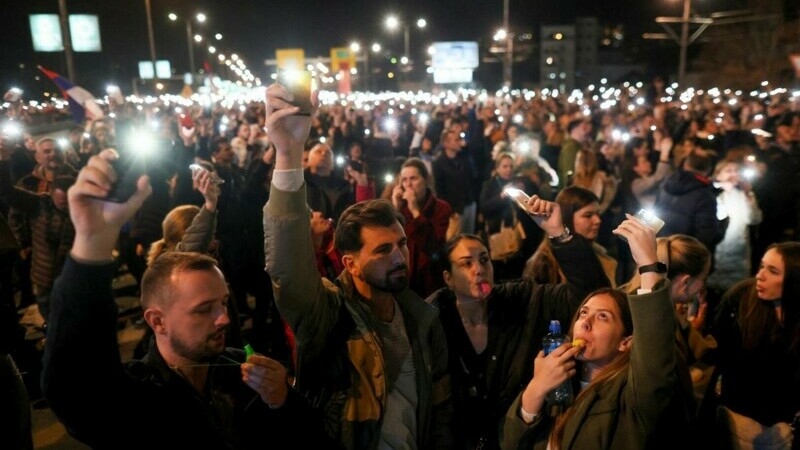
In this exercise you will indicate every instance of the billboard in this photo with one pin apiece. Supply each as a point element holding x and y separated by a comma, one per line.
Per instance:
<point>290,58</point>
<point>444,76</point>
<point>46,33</point>
<point>163,70</point>
<point>84,31</point>
<point>455,55</point>
<point>342,58</point>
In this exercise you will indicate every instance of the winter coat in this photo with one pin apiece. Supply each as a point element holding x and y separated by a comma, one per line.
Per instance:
<point>688,205</point>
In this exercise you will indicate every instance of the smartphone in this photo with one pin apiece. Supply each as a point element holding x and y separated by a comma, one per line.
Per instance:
<point>649,219</point>
<point>521,199</point>
<point>197,168</point>
<point>128,167</point>
<point>357,166</point>
<point>298,83</point>
<point>186,121</point>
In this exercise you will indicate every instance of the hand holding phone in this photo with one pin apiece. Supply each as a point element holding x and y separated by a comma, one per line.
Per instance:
<point>298,83</point>
<point>186,121</point>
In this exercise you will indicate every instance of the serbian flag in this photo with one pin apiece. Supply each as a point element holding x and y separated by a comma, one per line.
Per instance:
<point>81,101</point>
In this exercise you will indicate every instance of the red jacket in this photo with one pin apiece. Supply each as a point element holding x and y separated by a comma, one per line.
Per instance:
<point>426,238</point>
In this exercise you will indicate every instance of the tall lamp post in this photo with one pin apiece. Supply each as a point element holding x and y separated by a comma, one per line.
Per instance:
<point>190,36</point>
<point>150,34</point>
<point>393,23</point>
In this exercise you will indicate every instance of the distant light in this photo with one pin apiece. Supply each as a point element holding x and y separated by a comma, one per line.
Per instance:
<point>404,60</point>
<point>366,132</point>
<point>159,86</point>
<point>422,23</point>
<point>549,60</point>
<point>604,81</point>
<point>376,47</point>
<point>212,49</point>
<point>392,22</point>
<point>198,38</point>
<point>758,117</point>
<point>63,143</point>
<point>390,124</point>
<point>390,75</point>
<point>423,118</point>
<point>340,160</point>
<point>173,17</point>
<point>393,60</point>
<point>518,118</point>
<point>388,178</point>
<point>431,50</point>
<point>710,137</point>
<point>221,57</point>
<point>234,57</point>
<point>749,173</point>
<point>500,35</point>
<point>201,17</point>
<point>355,47</point>
<point>218,36</point>
<point>751,158</point>
<point>321,139</point>
<point>765,83</point>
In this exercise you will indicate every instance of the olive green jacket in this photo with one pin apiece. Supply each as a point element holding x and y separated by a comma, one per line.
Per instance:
<point>340,367</point>
<point>626,411</point>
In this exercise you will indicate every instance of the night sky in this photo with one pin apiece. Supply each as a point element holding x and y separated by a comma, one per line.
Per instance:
<point>255,28</point>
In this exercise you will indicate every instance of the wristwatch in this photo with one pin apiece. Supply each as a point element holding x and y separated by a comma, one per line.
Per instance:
<point>657,267</point>
<point>566,236</point>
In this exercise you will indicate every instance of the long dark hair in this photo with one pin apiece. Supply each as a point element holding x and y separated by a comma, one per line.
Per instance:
<point>757,319</point>
<point>617,367</point>
<point>545,268</point>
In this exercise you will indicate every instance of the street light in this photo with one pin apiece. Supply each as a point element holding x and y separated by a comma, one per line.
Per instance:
<point>201,18</point>
<point>376,48</point>
<point>355,47</point>
<point>218,36</point>
<point>393,23</point>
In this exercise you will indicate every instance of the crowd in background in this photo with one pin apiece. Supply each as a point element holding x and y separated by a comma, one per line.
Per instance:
<point>720,168</point>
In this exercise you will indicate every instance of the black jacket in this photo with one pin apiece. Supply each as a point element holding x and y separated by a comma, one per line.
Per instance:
<point>688,205</point>
<point>143,403</point>
<point>485,385</point>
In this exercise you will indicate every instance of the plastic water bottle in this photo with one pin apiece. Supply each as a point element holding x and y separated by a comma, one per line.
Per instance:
<point>562,395</point>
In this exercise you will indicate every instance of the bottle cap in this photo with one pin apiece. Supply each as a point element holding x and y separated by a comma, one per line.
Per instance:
<point>555,326</point>
<point>248,351</point>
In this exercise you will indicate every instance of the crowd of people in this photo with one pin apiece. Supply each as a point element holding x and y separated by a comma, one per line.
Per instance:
<point>391,286</point>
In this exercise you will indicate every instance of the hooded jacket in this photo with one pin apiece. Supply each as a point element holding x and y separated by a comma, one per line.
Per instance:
<point>687,203</point>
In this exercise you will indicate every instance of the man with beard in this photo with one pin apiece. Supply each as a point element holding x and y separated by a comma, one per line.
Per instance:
<point>189,391</point>
<point>371,352</point>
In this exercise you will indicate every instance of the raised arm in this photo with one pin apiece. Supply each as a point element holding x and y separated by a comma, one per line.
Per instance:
<point>82,353</point>
<point>299,290</point>
<point>653,369</point>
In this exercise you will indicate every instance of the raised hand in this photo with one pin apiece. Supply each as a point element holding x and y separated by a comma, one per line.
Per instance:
<point>287,131</point>
<point>98,222</point>
<point>547,215</point>
<point>203,181</point>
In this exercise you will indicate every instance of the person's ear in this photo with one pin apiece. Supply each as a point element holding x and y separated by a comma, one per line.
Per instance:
<point>625,344</point>
<point>155,318</point>
<point>679,283</point>
<point>351,265</point>
<point>448,279</point>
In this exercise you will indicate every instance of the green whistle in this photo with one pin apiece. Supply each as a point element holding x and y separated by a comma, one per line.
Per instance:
<point>248,351</point>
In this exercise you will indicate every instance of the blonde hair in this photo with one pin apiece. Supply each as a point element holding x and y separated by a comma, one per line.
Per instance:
<point>681,254</point>
<point>174,227</point>
<point>585,169</point>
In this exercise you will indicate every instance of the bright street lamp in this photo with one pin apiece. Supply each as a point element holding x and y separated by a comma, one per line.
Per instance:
<point>218,36</point>
<point>190,36</point>
<point>393,23</point>
<point>376,47</point>
<point>355,47</point>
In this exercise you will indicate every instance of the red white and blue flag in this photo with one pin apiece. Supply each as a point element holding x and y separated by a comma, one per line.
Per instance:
<point>81,101</point>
